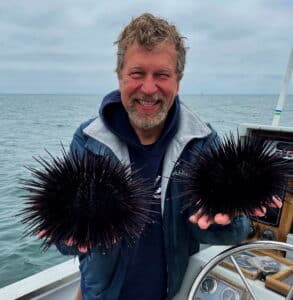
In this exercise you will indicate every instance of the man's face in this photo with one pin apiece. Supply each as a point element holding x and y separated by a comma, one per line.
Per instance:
<point>148,84</point>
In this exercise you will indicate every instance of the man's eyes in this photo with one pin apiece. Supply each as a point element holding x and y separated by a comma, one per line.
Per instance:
<point>163,75</point>
<point>136,74</point>
<point>139,74</point>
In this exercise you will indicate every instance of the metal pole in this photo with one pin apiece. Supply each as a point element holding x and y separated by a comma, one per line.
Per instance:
<point>283,93</point>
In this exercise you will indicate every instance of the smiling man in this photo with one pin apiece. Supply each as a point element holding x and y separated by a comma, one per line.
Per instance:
<point>146,124</point>
<point>148,84</point>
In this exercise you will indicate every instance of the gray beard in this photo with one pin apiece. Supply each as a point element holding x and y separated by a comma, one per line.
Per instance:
<point>148,123</point>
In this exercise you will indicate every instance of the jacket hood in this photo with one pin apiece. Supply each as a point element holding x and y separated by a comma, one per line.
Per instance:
<point>115,118</point>
<point>111,98</point>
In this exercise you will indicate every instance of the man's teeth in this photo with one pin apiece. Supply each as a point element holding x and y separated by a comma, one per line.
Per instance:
<point>147,103</point>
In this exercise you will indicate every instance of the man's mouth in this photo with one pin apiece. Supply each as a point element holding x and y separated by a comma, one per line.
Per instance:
<point>147,103</point>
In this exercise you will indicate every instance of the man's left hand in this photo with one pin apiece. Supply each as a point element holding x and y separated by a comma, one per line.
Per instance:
<point>204,221</point>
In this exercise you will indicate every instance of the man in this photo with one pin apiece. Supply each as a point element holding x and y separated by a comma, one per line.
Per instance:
<point>145,123</point>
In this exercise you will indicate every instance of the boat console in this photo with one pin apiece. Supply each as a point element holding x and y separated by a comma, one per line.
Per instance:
<point>209,278</point>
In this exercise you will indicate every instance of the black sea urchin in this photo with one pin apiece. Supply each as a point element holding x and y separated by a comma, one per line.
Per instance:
<point>235,176</point>
<point>92,201</point>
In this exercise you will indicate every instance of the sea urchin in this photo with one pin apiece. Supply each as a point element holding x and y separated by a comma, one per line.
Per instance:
<point>235,176</point>
<point>92,201</point>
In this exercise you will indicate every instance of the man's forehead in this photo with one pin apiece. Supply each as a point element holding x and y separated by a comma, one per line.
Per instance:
<point>152,46</point>
<point>141,66</point>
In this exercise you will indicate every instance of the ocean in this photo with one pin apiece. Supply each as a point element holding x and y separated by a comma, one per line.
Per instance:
<point>29,124</point>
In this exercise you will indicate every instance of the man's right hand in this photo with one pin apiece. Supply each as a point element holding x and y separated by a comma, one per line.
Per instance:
<point>69,242</point>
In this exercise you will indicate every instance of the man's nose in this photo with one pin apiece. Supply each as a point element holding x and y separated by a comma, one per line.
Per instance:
<point>149,86</point>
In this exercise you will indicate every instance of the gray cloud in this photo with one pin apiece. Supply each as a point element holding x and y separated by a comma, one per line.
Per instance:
<point>67,46</point>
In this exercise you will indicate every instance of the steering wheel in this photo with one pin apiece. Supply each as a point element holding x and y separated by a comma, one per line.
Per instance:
<point>268,245</point>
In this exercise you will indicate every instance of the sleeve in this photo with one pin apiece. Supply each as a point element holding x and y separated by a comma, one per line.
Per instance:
<point>216,234</point>
<point>78,142</point>
<point>76,147</point>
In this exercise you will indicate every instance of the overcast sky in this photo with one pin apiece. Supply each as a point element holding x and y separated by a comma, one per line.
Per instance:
<point>60,46</point>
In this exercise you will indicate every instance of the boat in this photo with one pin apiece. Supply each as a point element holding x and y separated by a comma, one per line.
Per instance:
<point>261,268</point>
<point>62,280</point>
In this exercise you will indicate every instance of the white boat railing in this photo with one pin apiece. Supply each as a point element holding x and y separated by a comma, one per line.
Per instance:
<point>49,281</point>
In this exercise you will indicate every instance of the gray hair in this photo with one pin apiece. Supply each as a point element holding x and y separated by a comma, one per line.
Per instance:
<point>150,31</point>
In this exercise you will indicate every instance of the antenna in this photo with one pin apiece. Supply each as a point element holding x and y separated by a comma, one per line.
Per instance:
<point>283,93</point>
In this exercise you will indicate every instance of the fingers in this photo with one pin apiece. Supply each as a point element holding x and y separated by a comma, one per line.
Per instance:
<point>204,221</point>
<point>260,212</point>
<point>41,233</point>
<point>69,242</point>
<point>277,202</point>
<point>222,219</point>
<point>194,218</point>
<point>82,249</point>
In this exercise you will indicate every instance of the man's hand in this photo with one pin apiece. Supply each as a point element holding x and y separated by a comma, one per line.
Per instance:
<point>69,242</point>
<point>81,249</point>
<point>204,221</point>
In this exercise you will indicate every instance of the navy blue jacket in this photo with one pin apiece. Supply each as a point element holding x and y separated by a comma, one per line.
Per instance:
<point>103,274</point>
<point>148,251</point>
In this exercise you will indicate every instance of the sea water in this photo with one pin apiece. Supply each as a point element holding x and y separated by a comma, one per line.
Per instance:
<point>29,124</point>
